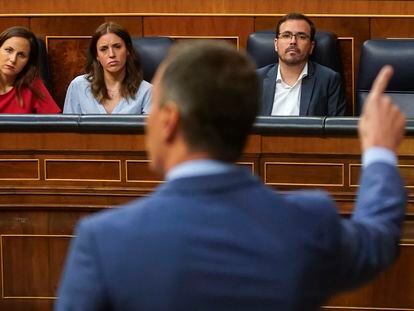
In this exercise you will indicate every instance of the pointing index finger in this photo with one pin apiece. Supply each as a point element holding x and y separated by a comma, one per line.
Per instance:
<point>381,81</point>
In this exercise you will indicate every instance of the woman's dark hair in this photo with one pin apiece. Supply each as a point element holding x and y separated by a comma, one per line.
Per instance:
<point>31,70</point>
<point>94,70</point>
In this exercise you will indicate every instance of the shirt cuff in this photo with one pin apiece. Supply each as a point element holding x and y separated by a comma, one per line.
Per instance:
<point>378,154</point>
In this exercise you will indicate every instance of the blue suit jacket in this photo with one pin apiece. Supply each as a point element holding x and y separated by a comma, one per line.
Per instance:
<point>321,94</point>
<point>227,242</point>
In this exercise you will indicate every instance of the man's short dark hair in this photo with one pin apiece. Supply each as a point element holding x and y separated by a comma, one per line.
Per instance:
<point>217,91</point>
<point>297,16</point>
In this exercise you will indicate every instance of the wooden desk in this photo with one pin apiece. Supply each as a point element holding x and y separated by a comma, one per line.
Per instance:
<point>57,169</point>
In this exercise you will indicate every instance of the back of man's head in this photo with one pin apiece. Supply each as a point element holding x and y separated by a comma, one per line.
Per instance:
<point>217,93</point>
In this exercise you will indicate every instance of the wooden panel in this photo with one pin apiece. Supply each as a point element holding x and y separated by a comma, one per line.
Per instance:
<point>132,23</point>
<point>354,174</point>
<point>253,144</point>
<point>304,174</point>
<point>32,265</point>
<point>139,171</point>
<point>81,25</point>
<point>6,22</point>
<point>66,197</point>
<point>19,169</point>
<point>27,304</point>
<point>65,25</point>
<point>392,289</point>
<point>78,142</point>
<point>392,28</point>
<point>78,170</point>
<point>41,221</point>
<point>199,26</point>
<point>52,207</point>
<point>407,173</point>
<point>368,7</point>
<point>67,59</point>
<point>296,144</point>
<point>234,40</point>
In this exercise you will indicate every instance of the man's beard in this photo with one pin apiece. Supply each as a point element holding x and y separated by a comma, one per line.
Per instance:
<point>292,61</point>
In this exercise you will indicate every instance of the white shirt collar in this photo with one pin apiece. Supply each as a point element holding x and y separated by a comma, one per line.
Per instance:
<point>303,74</point>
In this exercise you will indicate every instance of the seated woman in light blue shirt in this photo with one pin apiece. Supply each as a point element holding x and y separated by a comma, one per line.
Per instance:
<point>113,83</point>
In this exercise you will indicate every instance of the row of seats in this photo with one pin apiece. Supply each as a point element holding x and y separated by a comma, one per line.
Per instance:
<point>374,54</point>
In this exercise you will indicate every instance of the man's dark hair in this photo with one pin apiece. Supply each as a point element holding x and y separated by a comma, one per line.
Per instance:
<point>216,90</point>
<point>297,16</point>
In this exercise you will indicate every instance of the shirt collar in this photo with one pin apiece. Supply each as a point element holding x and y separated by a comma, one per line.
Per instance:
<point>198,168</point>
<point>303,74</point>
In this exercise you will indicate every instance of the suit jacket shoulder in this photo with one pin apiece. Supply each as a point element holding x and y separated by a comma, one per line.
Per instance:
<point>267,77</point>
<point>264,71</point>
<point>322,93</point>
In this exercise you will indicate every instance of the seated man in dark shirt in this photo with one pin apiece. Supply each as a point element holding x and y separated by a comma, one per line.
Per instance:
<point>296,86</point>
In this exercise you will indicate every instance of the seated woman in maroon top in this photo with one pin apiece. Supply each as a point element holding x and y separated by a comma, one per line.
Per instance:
<point>21,89</point>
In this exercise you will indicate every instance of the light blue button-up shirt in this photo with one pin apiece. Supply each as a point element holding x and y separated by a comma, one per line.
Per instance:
<point>80,100</point>
<point>198,168</point>
<point>378,154</point>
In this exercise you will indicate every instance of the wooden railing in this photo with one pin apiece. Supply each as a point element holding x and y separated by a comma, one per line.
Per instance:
<point>56,169</point>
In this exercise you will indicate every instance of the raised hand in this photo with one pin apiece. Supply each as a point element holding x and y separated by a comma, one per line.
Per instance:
<point>382,124</point>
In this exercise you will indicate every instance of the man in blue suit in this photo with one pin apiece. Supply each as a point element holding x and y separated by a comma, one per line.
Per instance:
<point>296,86</point>
<point>213,237</point>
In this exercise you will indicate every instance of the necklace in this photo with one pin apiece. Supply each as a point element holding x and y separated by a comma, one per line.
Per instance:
<point>112,93</point>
